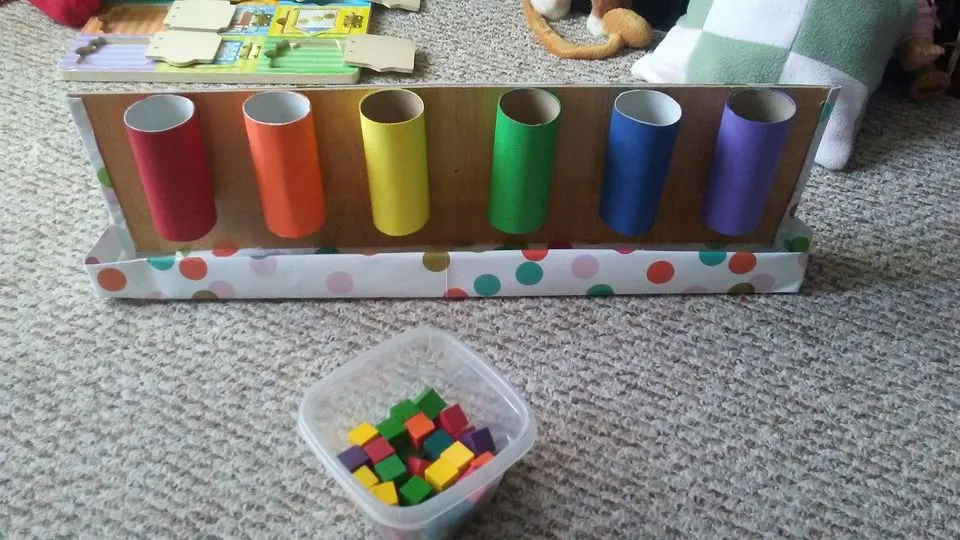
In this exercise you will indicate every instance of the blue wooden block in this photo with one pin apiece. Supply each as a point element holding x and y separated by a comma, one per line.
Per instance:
<point>353,458</point>
<point>436,443</point>
<point>478,441</point>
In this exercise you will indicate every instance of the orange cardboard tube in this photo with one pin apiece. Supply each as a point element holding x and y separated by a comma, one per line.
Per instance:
<point>283,145</point>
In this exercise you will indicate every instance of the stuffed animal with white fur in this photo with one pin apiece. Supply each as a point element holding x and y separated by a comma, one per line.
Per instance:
<point>557,9</point>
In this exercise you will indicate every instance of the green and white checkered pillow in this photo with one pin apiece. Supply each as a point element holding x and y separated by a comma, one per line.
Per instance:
<point>829,42</point>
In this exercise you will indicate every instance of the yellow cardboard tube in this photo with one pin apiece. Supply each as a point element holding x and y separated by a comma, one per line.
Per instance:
<point>395,149</point>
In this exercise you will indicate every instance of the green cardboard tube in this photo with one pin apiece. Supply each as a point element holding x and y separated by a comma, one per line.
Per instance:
<point>524,145</point>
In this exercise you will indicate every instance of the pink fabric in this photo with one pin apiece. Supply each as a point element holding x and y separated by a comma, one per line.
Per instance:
<point>926,22</point>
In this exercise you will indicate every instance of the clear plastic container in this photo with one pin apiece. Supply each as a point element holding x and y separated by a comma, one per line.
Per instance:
<point>364,389</point>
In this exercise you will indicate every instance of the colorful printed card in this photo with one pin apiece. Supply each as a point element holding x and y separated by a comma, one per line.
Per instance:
<point>318,29</point>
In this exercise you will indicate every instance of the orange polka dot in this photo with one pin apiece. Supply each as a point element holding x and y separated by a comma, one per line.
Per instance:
<point>660,272</point>
<point>111,280</point>
<point>742,262</point>
<point>455,293</point>
<point>193,268</point>
<point>225,249</point>
<point>534,254</point>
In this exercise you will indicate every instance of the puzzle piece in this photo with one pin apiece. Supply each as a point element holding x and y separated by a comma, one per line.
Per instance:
<point>200,15</point>
<point>182,48</point>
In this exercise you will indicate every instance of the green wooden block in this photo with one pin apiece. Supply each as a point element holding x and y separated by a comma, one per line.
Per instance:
<point>393,430</point>
<point>415,491</point>
<point>404,410</point>
<point>391,469</point>
<point>430,402</point>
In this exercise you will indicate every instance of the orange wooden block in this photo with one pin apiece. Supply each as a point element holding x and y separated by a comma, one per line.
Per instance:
<point>481,460</point>
<point>420,427</point>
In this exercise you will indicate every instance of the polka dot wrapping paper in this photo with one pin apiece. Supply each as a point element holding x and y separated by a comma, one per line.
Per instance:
<point>228,272</point>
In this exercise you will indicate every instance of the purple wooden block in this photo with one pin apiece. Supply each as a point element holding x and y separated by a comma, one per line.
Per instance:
<point>478,441</point>
<point>353,458</point>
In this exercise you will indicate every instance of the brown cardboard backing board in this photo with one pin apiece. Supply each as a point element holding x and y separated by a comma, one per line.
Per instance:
<point>460,124</point>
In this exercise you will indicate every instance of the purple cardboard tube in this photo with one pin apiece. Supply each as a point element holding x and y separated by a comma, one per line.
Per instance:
<point>753,132</point>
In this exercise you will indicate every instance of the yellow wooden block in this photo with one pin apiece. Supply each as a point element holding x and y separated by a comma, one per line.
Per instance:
<point>458,455</point>
<point>441,474</point>
<point>366,477</point>
<point>362,434</point>
<point>386,492</point>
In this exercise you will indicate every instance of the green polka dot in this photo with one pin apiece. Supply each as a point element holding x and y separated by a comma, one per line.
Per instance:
<point>529,273</point>
<point>204,295</point>
<point>104,178</point>
<point>326,250</point>
<point>799,244</point>
<point>741,288</point>
<point>487,285</point>
<point>712,258</point>
<point>161,263</point>
<point>600,289</point>
<point>184,252</point>
<point>436,261</point>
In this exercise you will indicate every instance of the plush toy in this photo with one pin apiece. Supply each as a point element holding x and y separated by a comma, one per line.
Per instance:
<point>828,42</point>
<point>917,53</point>
<point>74,13</point>
<point>623,28</point>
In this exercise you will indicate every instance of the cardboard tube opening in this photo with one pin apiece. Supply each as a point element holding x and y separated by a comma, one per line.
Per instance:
<point>391,106</point>
<point>530,106</point>
<point>762,105</point>
<point>158,113</point>
<point>648,107</point>
<point>276,107</point>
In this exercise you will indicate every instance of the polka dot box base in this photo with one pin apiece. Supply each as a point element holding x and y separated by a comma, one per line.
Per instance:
<point>227,272</point>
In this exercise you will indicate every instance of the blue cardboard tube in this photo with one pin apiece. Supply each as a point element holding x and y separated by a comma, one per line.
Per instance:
<point>643,132</point>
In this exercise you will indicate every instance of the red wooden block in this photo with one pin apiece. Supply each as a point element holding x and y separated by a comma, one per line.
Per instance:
<point>417,465</point>
<point>378,450</point>
<point>452,419</point>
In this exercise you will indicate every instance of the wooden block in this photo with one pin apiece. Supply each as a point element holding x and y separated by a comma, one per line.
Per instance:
<point>183,48</point>
<point>380,53</point>
<point>419,427</point>
<point>481,460</point>
<point>394,432</point>
<point>378,450</point>
<point>430,402</point>
<point>362,434</point>
<point>391,469</point>
<point>441,475</point>
<point>386,492</point>
<point>436,443</point>
<point>366,477</point>
<point>417,466</point>
<point>452,419</point>
<point>457,455</point>
<point>409,5</point>
<point>353,458</point>
<point>478,440</point>
<point>199,15</point>
<point>404,410</point>
<point>415,491</point>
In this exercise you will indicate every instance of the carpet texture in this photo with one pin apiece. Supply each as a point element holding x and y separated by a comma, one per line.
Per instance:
<point>833,413</point>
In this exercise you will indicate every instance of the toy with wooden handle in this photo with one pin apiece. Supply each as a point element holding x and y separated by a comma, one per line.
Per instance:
<point>625,28</point>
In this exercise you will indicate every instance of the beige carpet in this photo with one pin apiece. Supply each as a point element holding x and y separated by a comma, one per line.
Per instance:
<point>835,413</point>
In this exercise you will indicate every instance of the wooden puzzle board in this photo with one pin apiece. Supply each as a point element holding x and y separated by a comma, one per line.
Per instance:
<point>256,26</point>
<point>460,129</point>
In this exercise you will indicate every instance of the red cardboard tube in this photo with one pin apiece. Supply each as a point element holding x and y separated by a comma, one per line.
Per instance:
<point>283,145</point>
<point>167,146</point>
